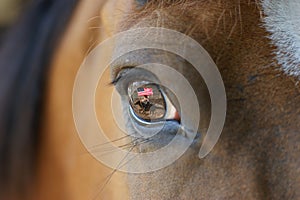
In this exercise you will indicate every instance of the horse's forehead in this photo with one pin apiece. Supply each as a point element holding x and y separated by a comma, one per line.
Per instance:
<point>282,21</point>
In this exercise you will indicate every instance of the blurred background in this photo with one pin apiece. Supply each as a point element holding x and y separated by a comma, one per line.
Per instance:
<point>9,12</point>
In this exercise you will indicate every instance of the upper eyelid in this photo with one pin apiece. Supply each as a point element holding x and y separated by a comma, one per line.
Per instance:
<point>134,73</point>
<point>122,73</point>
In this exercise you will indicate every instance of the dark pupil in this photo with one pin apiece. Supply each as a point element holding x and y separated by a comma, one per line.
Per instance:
<point>147,102</point>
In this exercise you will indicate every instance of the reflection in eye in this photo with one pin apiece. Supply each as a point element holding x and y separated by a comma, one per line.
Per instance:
<point>149,103</point>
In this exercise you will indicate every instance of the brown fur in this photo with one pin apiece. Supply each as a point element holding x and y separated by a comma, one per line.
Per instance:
<point>257,156</point>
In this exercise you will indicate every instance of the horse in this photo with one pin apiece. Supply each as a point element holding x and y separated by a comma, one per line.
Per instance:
<point>257,155</point>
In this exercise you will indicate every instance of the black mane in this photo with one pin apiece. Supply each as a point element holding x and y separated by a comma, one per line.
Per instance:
<point>24,60</point>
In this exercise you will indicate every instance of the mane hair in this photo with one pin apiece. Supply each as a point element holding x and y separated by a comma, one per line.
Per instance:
<point>24,60</point>
<point>283,22</point>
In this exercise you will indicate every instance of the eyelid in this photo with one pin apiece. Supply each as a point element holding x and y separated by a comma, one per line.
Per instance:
<point>128,75</point>
<point>120,74</point>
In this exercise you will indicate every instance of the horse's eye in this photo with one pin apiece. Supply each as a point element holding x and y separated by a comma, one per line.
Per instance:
<point>141,3</point>
<point>149,103</point>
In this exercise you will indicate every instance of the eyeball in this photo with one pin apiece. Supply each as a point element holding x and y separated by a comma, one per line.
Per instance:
<point>149,103</point>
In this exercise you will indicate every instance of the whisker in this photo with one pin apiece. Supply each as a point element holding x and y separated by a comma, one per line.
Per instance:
<point>94,18</point>
<point>122,163</point>
<point>95,27</point>
<point>120,146</point>
<point>115,140</point>
<point>125,146</point>
<point>110,149</point>
<point>108,178</point>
